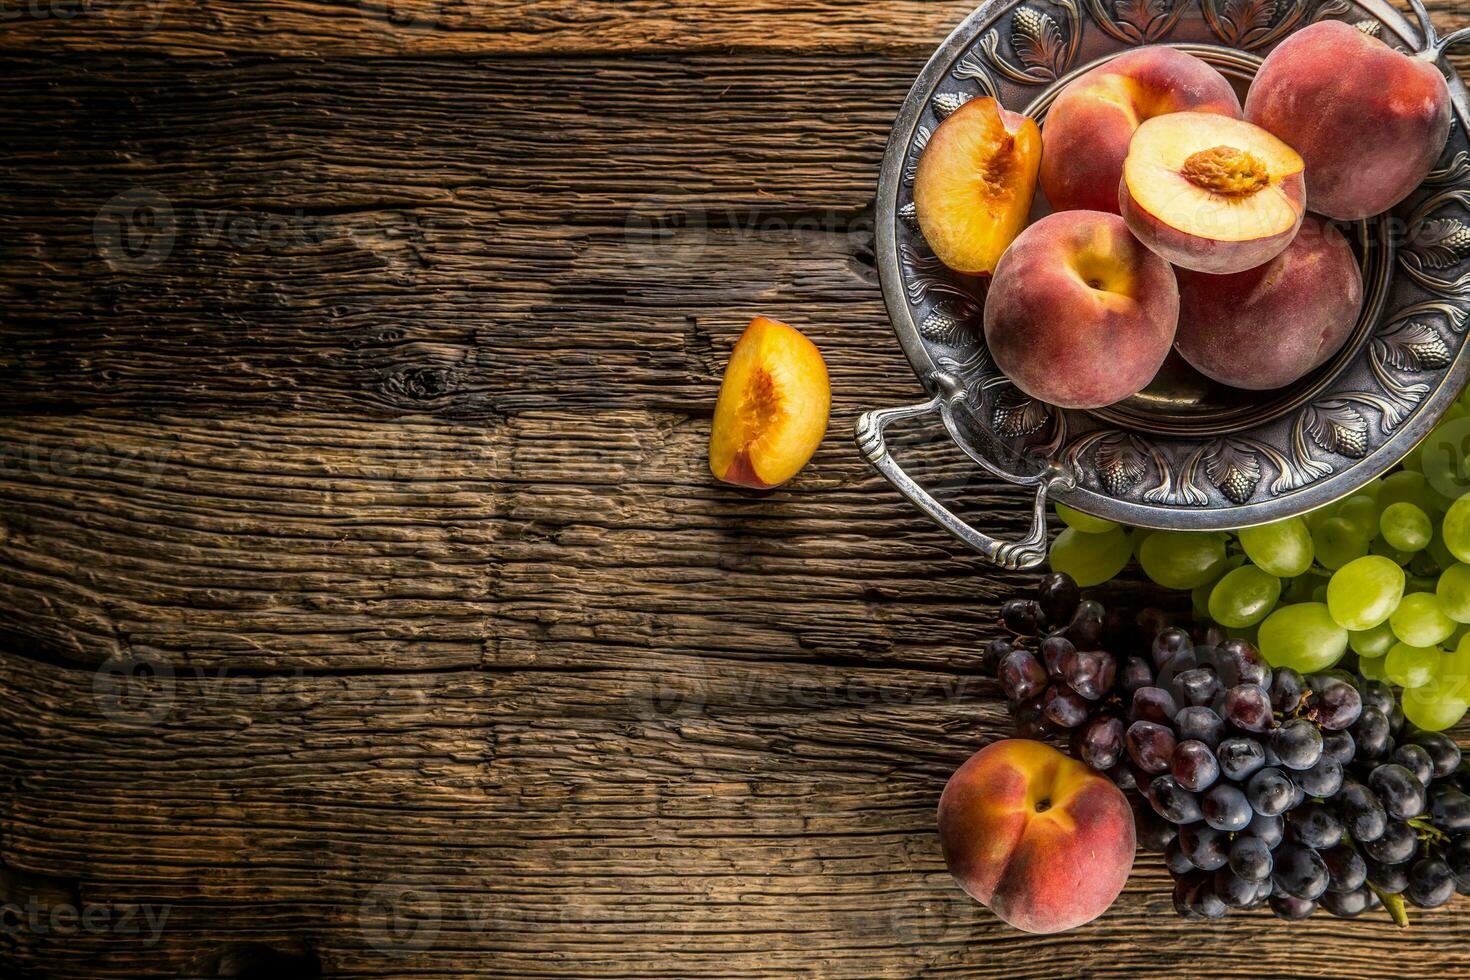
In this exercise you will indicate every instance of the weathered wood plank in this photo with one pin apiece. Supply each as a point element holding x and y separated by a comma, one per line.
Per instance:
<point>489,268</point>
<point>550,539</point>
<point>318,28</point>
<point>538,824</point>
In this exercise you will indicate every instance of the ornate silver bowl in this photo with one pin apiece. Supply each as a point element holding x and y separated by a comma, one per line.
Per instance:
<point>1186,453</point>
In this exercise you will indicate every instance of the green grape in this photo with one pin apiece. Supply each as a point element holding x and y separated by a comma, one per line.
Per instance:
<point>1438,551</point>
<point>1303,637</point>
<point>1456,528</point>
<point>1199,600</point>
<point>1361,511</point>
<point>1405,526</point>
<point>1433,707</point>
<point>1091,559</point>
<point>1442,458</point>
<point>1337,542</point>
<point>1300,589</point>
<point>1419,622</point>
<point>1371,643</point>
<point>1136,539</point>
<point>1313,518</point>
<point>1384,549</point>
<point>1182,559</point>
<point>1283,549</point>
<point>1409,486</point>
<point>1411,666</point>
<point>1244,597</point>
<point>1250,634</point>
<point>1085,523</point>
<point>1453,591</point>
<point>1454,671</point>
<point>1421,563</point>
<point>1364,592</point>
<point>1372,668</point>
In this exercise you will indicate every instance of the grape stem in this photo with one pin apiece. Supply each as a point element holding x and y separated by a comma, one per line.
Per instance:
<point>1427,831</point>
<point>1394,904</point>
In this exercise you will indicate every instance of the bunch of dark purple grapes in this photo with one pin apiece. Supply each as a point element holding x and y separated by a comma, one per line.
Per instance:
<point>1263,786</point>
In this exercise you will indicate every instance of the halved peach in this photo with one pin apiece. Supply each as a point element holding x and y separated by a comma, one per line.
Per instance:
<point>1089,126</point>
<point>975,183</point>
<point>773,405</point>
<point>1210,193</point>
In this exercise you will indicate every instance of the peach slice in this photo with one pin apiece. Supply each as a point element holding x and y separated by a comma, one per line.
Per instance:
<point>1088,127</point>
<point>1212,194</point>
<point>975,183</point>
<point>772,410</point>
<point>1079,313</point>
<point>1369,120</point>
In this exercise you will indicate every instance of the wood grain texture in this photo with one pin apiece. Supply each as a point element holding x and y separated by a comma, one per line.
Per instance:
<point>320,28</point>
<point>365,602</point>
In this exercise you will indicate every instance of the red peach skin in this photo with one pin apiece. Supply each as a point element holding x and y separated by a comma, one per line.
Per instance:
<point>1040,839</point>
<point>1369,122</point>
<point>1080,314</point>
<point>1269,326</point>
<point>1087,129</point>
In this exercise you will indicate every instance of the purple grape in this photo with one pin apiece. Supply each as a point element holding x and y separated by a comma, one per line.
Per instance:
<point>1086,626</point>
<point>1021,616</point>
<point>1197,686</point>
<point>1240,663</point>
<point>1173,802</point>
<point>1063,707</point>
<point>1021,676</point>
<point>1336,707</point>
<point>1287,688</point>
<point>1150,745</point>
<point>1154,704</point>
<point>1134,674</point>
<point>1058,597</point>
<point>1170,642</point>
<point>1054,651</point>
<point>1090,674</point>
<point>1225,808</point>
<point>1414,758</point>
<point>1194,766</point>
<point>1201,724</point>
<point>1240,757</point>
<point>1102,743</point>
<point>1248,708</point>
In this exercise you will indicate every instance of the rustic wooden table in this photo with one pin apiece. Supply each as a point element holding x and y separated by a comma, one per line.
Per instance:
<point>365,600</point>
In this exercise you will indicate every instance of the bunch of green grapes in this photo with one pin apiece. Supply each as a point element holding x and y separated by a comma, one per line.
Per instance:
<point>1384,572</point>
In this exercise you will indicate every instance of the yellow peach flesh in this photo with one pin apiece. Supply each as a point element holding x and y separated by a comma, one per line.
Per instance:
<point>975,183</point>
<point>1213,177</point>
<point>773,407</point>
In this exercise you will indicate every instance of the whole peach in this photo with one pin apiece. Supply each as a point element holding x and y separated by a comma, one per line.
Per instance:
<point>1039,838</point>
<point>1268,326</point>
<point>1088,127</point>
<point>1080,314</point>
<point>1369,121</point>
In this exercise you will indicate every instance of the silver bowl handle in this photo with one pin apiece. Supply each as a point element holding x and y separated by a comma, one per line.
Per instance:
<point>1434,45</point>
<point>1026,553</point>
